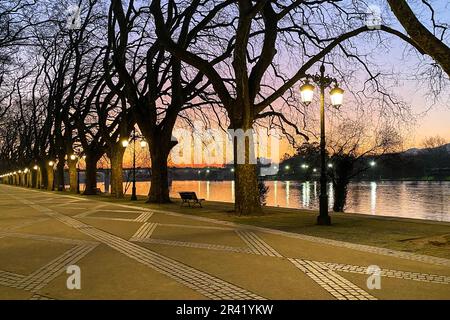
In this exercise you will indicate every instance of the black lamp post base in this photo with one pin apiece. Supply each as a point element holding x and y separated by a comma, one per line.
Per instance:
<point>133,194</point>
<point>324,220</point>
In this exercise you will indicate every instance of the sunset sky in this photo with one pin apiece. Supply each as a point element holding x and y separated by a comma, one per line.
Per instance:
<point>431,113</point>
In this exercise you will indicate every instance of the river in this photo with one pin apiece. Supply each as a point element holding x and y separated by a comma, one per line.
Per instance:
<point>408,199</point>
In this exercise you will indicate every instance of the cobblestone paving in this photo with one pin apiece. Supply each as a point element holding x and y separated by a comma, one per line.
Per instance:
<point>324,274</point>
<point>204,283</point>
<point>256,244</point>
<point>41,277</point>
<point>336,285</point>
<point>25,224</point>
<point>406,275</point>
<point>196,245</point>
<point>144,216</point>
<point>354,246</point>
<point>144,232</point>
<point>9,279</point>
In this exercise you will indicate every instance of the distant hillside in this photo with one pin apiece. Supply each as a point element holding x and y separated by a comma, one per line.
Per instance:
<point>417,151</point>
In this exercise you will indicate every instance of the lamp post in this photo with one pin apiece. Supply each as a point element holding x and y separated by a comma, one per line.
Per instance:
<point>143,144</point>
<point>74,157</point>
<point>336,94</point>
<point>133,188</point>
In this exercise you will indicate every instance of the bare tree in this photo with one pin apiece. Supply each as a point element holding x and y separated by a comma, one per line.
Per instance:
<point>430,42</point>
<point>157,85</point>
<point>251,83</point>
<point>350,148</point>
<point>433,142</point>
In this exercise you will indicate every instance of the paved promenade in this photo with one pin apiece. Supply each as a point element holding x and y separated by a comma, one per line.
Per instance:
<point>127,252</point>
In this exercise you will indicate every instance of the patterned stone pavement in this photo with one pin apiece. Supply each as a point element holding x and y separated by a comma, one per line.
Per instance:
<point>151,254</point>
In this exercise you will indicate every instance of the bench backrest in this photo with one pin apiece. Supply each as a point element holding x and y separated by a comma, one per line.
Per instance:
<point>188,195</point>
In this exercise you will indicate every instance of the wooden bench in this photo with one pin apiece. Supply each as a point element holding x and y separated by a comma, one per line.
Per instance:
<point>190,198</point>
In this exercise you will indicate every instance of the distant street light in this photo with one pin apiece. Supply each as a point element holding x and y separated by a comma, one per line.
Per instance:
<point>372,163</point>
<point>124,143</point>
<point>35,167</point>
<point>287,167</point>
<point>336,96</point>
<point>51,163</point>
<point>330,165</point>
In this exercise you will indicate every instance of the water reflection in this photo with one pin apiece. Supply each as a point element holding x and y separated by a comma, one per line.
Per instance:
<point>288,192</point>
<point>373,197</point>
<point>423,200</point>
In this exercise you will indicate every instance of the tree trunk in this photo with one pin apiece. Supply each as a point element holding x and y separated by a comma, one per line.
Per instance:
<point>340,195</point>
<point>43,179</point>
<point>29,180</point>
<point>34,178</point>
<point>73,175</point>
<point>59,175</point>
<point>91,175</point>
<point>116,157</point>
<point>50,178</point>
<point>426,40</point>
<point>159,188</point>
<point>247,197</point>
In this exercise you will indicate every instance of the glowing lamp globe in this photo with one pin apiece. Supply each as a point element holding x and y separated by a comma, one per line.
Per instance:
<point>307,93</point>
<point>337,96</point>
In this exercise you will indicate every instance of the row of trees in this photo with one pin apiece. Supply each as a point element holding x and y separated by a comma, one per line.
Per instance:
<point>80,85</point>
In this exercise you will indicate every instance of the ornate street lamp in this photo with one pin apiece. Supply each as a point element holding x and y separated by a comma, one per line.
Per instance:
<point>336,96</point>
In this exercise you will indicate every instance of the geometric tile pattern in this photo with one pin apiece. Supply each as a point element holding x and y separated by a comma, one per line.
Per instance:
<point>144,232</point>
<point>9,279</point>
<point>256,244</point>
<point>202,282</point>
<point>323,273</point>
<point>337,243</point>
<point>406,275</point>
<point>41,277</point>
<point>363,248</point>
<point>333,283</point>
<point>144,216</point>
<point>195,245</point>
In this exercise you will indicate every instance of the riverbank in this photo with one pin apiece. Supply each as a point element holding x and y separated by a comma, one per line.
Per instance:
<point>409,235</point>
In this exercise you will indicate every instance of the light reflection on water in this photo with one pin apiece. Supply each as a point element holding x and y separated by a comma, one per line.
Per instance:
<point>409,199</point>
